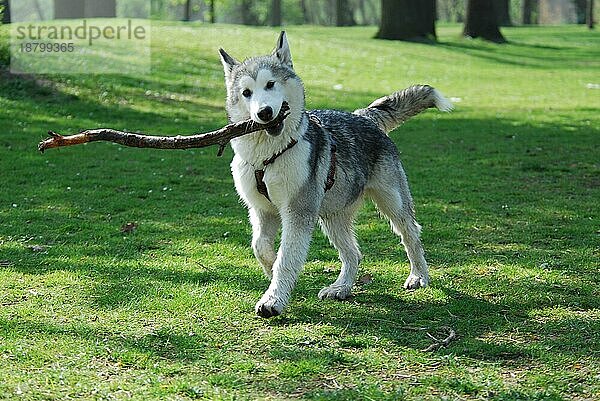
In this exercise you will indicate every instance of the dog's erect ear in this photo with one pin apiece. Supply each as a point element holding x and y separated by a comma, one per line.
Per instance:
<point>228,62</point>
<point>282,50</point>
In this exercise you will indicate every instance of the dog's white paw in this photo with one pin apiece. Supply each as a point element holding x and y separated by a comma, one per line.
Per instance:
<point>413,282</point>
<point>336,292</point>
<point>269,306</point>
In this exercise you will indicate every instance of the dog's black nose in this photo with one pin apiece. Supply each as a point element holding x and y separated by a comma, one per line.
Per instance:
<point>265,114</point>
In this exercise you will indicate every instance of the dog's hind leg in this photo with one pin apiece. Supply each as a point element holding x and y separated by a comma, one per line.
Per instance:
<point>392,196</point>
<point>339,229</point>
<point>265,225</point>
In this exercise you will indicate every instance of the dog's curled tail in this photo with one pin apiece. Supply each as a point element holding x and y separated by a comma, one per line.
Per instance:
<point>390,111</point>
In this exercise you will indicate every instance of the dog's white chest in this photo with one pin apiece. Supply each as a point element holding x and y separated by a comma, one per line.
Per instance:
<point>283,178</point>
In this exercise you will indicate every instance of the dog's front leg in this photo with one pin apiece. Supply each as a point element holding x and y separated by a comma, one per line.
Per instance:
<point>295,240</point>
<point>265,225</point>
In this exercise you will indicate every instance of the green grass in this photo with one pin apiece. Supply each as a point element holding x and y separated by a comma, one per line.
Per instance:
<point>507,189</point>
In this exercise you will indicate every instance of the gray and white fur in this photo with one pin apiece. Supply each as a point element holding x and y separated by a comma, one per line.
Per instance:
<point>366,165</point>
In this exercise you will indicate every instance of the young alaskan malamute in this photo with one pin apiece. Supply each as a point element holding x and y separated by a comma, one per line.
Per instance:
<point>317,166</point>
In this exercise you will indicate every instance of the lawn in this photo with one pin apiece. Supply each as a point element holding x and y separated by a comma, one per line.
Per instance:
<point>507,188</point>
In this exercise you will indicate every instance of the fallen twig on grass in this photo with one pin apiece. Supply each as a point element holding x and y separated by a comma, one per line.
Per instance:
<point>219,137</point>
<point>441,343</point>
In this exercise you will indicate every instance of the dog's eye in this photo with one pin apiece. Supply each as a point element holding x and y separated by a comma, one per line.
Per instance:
<point>270,84</point>
<point>247,93</point>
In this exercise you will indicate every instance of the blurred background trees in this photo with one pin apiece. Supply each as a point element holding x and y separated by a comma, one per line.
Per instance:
<point>5,10</point>
<point>84,8</point>
<point>397,19</point>
<point>414,15</point>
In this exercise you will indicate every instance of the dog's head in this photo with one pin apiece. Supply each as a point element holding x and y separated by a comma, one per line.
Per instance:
<point>258,86</point>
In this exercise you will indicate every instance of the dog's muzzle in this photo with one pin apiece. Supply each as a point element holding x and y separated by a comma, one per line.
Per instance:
<point>266,114</point>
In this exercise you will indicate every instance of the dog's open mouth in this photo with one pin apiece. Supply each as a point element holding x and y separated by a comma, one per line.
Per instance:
<point>276,129</point>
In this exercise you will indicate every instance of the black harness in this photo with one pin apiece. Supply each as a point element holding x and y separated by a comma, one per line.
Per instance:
<point>261,187</point>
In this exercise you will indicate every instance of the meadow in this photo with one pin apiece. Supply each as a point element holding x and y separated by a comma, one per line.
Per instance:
<point>507,188</point>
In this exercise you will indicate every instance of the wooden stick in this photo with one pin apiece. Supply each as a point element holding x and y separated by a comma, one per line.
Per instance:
<point>441,343</point>
<point>219,137</point>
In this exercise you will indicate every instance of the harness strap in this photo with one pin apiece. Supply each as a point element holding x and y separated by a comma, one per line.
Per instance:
<point>331,175</point>
<point>259,174</point>
<point>272,159</point>
<point>261,187</point>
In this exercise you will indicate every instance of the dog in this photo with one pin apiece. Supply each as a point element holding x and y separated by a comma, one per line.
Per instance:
<point>317,166</point>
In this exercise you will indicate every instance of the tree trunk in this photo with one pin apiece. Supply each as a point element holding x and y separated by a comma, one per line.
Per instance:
<point>407,20</point>
<point>39,11</point>
<point>100,8</point>
<point>373,10</point>
<point>85,9</point>
<point>581,10</point>
<point>590,14</point>
<point>344,15</point>
<point>526,11</point>
<point>503,12</point>
<point>212,12</point>
<point>304,9</point>
<point>457,11</point>
<point>69,9</point>
<point>363,12</point>
<point>187,15</point>
<point>6,11</point>
<point>482,21</point>
<point>275,16</point>
<point>330,12</point>
<point>247,14</point>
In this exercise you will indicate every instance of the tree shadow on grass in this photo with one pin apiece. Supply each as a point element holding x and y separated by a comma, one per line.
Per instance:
<point>527,55</point>
<point>487,331</point>
<point>42,99</point>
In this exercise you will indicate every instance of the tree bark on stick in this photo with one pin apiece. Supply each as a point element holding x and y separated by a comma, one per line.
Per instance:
<point>219,137</point>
